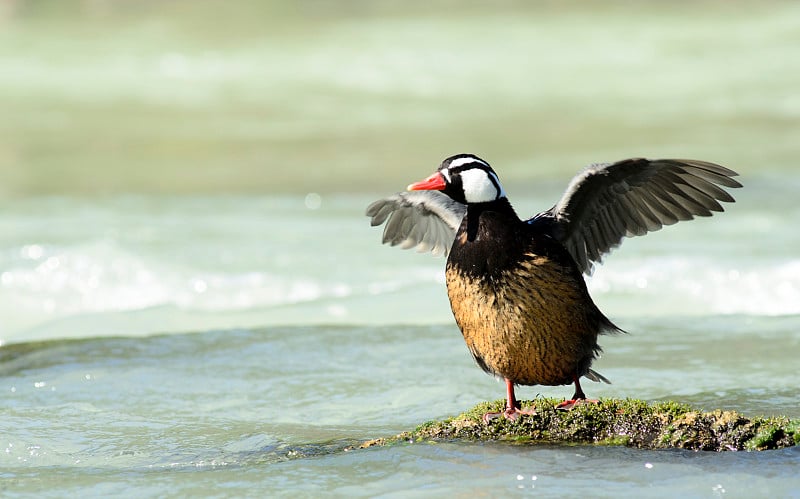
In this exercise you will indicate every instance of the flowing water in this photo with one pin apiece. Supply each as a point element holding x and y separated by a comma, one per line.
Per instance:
<point>193,303</point>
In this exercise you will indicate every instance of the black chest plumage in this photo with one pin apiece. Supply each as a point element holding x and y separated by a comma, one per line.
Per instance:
<point>492,240</point>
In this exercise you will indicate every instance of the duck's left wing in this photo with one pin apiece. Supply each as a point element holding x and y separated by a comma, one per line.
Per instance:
<point>427,220</point>
<point>607,202</point>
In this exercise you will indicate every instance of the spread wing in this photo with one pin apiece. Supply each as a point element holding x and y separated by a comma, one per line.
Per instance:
<point>607,202</point>
<point>427,220</point>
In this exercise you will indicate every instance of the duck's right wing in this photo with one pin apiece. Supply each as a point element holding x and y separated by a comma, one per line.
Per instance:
<point>427,220</point>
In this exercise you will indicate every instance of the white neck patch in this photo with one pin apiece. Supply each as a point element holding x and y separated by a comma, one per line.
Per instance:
<point>478,186</point>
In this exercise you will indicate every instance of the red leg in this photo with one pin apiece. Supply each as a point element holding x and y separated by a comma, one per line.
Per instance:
<point>513,409</point>
<point>511,399</point>
<point>577,399</point>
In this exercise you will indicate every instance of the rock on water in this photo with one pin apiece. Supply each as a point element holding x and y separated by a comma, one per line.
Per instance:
<point>632,423</point>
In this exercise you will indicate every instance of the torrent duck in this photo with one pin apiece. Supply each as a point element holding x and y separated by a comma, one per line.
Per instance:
<point>516,287</point>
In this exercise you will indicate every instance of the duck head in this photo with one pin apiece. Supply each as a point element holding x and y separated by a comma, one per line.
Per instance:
<point>466,178</point>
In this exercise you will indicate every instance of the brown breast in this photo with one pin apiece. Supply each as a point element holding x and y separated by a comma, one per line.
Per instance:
<point>533,322</point>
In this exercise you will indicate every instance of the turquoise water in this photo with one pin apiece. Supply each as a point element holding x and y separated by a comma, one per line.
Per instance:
<point>269,411</point>
<point>237,346</point>
<point>192,301</point>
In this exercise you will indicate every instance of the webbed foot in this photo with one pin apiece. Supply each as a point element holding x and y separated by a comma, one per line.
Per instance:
<point>512,411</point>
<point>511,414</point>
<point>568,405</point>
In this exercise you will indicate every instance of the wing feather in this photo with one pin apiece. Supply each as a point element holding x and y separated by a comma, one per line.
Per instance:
<point>425,220</point>
<point>609,201</point>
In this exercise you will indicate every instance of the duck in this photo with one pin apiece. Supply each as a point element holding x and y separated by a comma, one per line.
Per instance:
<point>517,287</point>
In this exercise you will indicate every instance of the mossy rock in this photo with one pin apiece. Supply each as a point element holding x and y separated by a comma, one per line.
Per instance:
<point>631,423</point>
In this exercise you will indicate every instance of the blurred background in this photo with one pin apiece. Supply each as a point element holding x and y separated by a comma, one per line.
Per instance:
<point>164,159</point>
<point>102,97</point>
<point>183,186</point>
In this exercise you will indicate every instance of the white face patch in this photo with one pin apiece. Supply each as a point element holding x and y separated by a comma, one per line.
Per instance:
<point>466,160</point>
<point>478,186</point>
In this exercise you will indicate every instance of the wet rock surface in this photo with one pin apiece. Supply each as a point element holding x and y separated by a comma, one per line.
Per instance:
<point>631,423</point>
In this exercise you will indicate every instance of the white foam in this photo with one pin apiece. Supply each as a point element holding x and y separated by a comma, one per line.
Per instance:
<point>699,286</point>
<point>102,278</point>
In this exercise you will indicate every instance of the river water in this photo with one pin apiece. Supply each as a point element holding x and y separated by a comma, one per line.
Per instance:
<point>192,301</point>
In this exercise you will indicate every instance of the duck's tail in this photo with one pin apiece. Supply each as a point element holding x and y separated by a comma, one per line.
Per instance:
<point>596,376</point>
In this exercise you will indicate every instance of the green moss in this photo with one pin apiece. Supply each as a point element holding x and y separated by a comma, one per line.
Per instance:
<point>765,438</point>
<point>630,422</point>
<point>620,440</point>
<point>793,430</point>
